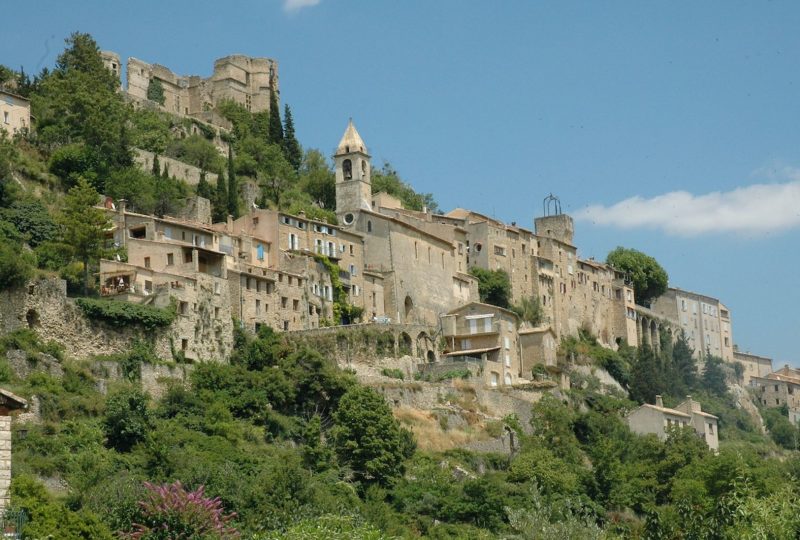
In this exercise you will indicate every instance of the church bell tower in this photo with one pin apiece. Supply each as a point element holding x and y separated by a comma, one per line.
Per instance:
<point>353,176</point>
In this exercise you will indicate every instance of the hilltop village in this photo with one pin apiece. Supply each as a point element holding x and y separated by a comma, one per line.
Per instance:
<point>205,325</point>
<point>381,264</point>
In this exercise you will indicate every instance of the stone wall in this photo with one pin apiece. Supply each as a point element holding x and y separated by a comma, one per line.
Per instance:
<point>5,461</point>
<point>180,170</point>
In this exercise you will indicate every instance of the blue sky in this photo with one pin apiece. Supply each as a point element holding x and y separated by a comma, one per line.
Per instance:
<point>671,127</point>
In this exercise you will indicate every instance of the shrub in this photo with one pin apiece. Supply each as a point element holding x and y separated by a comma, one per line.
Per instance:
<point>393,373</point>
<point>171,512</point>
<point>124,314</point>
<point>127,420</point>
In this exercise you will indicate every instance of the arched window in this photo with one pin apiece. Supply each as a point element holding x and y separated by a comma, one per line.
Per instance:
<point>347,169</point>
<point>369,226</point>
<point>363,167</point>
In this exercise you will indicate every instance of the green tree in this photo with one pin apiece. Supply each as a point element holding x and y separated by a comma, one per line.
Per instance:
<point>155,91</point>
<point>78,103</point>
<point>156,170</point>
<point>291,147</point>
<point>127,420</point>
<point>198,151</point>
<point>233,187</point>
<point>368,439</point>
<point>714,376</point>
<point>31,219</point>
<point>84,226</point>
<point>275,126</point>
<point>318,180</point>
<point>219,206</point>
<point>649,278</point>
<point>494,286</point>
<point>16,266</point>
<point>683,361</point>
<point>647,379</point>
<point>388,180</point>
<point>204,189</point>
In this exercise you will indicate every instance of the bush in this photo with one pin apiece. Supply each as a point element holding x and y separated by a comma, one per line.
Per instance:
<point>123,314</point>
<point>171,512</point>
<point>393,373</point>
<point>16,266</point>
<point>127,420</point>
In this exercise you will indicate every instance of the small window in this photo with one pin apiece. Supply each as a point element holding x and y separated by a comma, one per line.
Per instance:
<point>147,262</point>
<point>348,219</point>
<point>284,302</point>
<point>286,326</point>
<point>170,259</point>
<point>296,305</point>
<point>369,226</point>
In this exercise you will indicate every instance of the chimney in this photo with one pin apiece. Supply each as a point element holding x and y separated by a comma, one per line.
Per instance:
<point>230,224</point>
<point>659,401</point>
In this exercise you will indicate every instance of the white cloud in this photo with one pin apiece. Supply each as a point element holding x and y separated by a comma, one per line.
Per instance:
<point>751,210</point>
<point>295,5</point>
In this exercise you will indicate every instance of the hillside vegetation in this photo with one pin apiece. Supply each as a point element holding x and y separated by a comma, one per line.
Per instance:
<point>280,442</point>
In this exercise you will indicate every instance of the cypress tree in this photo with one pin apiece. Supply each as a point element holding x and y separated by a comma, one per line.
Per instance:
<point>156,166</point>
<point>233,189</point>
<point>275,127</point>
<point>204,189</point>
<point>291,148</point>
<point>220,200</point>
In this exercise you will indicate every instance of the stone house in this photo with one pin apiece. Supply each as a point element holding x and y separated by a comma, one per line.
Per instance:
<point>657,419</point>
<point>485,334</point>
<point>779,388</point>
<point>705,321</point>
<point>753,366</point>
<point>15,113</point>
<point>538,346</point>
<point>173,260</point>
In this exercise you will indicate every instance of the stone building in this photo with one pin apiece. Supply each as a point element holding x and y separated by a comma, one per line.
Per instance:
<point>15,113</point>
<point>705,321</point>
<point>658,420</point>
<point>9,404</point>
<point>779,388</point>
<point>486,335</point>
<point>419,267</point>
<point>538,347</point>
<point>173,260</point>
<point>753,366</point>
<point>243,79</point>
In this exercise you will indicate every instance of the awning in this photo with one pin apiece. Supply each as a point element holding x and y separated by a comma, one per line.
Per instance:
<point>469,352</point>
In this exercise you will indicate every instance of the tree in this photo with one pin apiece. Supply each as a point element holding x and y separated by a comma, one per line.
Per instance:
<point>683,361</point>
<point>649,278</point>
<point>219,204</point>
<point>368,439</point>
<point>646,377</point>
<point>388,180</point>
<point>233,188</point>
<point>78,103</point>
<point>16,266</point>
<point>318,180</point>
<point>204,189</point>
<point>275,126</point>
<point>155,91</point>
<point>127,420</point>
<point>291,147</point>
<point>714,376</point>
<point>494,286</point>
<point>156,171</point>
<point>84,226</point>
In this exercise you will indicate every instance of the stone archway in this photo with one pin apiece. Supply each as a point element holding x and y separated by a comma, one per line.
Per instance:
<point>431,356</point>
<point>423,340</point>
<point>32,318</point>
<point>404,345</point>
<point>408,307</point>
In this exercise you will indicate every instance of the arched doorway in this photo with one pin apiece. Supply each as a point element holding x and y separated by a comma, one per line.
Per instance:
<point>408,306</point>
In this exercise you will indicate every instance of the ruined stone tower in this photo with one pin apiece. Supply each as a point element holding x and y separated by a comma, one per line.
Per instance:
<point>353,179</point>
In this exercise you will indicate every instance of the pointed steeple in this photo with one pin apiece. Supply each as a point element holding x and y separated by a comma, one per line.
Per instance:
<point>351,141</point>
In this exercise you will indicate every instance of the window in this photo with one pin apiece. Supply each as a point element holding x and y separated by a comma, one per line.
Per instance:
<point>216,313</point>
<point>5,117</point>
<point>284,302</point>
<point>369,226</point>
<point>184,344</point>
<point>507,342</point>
<point>183,308</point>
<point>170,259</point>
<point>216,287</point>
<point>495,378</point>
<point>285,326</point>
<point>260,252</point>
<point>352,270</point>
<point>465,344</point>
<point>258,307</point>
<point>473,326</point>
<point>351,249</point>
<point>711,428</point>
<point>416,254</point>
<point>347,169</point>
<point>147,262</point>
<point>296,305</point>
<point>508,360</point>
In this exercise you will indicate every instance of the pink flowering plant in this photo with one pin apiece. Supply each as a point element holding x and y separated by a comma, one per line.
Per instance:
<point>169,512</point>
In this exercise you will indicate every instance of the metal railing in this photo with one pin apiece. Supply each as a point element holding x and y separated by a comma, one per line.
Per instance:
<point>12,522</point>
